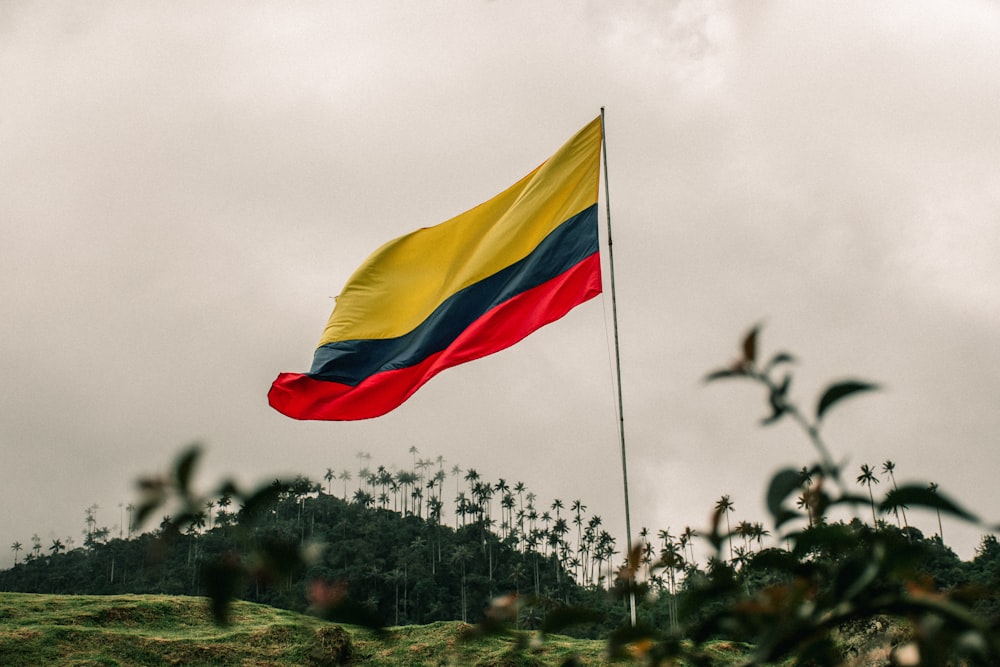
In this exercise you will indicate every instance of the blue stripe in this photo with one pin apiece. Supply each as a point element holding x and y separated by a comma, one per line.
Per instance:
<point>350,362</point>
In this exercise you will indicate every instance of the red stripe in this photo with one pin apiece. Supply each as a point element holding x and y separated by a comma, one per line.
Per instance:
<point>301,397</point>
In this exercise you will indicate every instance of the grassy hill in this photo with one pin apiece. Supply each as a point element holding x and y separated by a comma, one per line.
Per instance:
<point>175,630</point>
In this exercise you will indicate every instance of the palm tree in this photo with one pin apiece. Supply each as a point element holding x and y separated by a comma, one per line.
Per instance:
<point>363,498</point>
<point>933,489</point>
<point>130,508</point>
<point>867,478</point>
<point>329,478</point>
<point>557,506</point>
<point>889,468</point>
<point>725,506</point>
<point>461,555</point>
<point>687,539</point>
<point>56,547</point>
<point>345,477</point>
<point>15,547</point>
<point>808,495</point>
<point>507,503</point>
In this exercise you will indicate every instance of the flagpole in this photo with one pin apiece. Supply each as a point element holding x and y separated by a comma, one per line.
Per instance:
<point>618,361</point>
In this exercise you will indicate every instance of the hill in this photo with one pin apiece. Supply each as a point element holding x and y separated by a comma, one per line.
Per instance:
<point>163,630</point>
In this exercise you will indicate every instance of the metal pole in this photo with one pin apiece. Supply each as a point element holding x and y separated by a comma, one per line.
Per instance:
<point>618,362</point>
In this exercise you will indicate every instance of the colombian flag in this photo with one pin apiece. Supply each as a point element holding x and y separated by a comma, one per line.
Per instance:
<point>458,291</point>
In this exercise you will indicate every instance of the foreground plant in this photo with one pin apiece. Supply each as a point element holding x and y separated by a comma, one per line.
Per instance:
<point>832,576</point>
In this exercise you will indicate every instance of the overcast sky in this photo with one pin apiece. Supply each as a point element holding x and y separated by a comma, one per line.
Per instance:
<point>185,186</point>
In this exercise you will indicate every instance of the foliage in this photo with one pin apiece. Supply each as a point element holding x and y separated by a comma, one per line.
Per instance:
<point>292,545</point>
<point>834,577</point>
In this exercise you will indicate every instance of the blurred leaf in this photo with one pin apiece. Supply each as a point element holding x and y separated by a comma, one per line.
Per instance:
<point>836,392</point>
<point>185,467</point>
<point>777,401</point>
<point>783,484</point>
<point>750,346</point>
<point>228,490</point>
<point>920,496</point>
<point>262,499</point>
<point>779,358</point>
<point>850,499</point>
<point>222,577</point>
<point>143,512</point>
<point>724,373</point>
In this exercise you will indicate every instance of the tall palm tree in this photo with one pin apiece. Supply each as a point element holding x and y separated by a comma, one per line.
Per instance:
<point>56,547</point>
<point>130,508</point>
<point>888,467</point>
<point>867,478</point>
<point>507,503</point>
<point>807,497</point>
<point>687,539</point>
<point>345,477</point>
<point>329,479</point>
<point>933,489</point>
<point>724,506</point>
<point>15,547</point>
<point>557,506</point>
<point>578,509</point>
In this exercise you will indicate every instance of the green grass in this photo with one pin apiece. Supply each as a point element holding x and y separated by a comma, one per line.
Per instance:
<point>174,630</point>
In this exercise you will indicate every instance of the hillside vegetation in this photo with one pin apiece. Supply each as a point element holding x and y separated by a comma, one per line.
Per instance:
<point>827,587</point>
<point>38,629</point>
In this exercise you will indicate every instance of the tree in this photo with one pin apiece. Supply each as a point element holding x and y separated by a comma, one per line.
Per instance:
<point>57,547</point>
<point>867,478</point>
<point>933,489</point>
<point>130,508</point>
<point>345,477</point>
<point>15,547</point>
<point>724,506</point>
<point>888,467</point>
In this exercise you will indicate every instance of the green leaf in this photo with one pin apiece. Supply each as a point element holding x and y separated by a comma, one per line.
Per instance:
<point>185,466</point>
<point>262,500</point>
<point>836,392</point>
<point>914,495</point>
<point>724,373</point>
<point>850,499</point>
<point>779,358</point>
<point>783,484</point>
<point>143,512</point>
<point>777,401</point>
<point>750,346</point>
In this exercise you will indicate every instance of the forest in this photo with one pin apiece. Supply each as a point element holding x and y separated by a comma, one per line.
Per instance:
<point>384,540</point>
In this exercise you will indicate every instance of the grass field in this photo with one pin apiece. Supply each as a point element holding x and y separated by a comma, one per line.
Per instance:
<point>171,630</point>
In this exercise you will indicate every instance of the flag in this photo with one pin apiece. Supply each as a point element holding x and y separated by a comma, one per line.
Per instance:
<point>458,291</point>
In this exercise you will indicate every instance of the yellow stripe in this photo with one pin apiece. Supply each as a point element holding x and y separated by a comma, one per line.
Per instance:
<point>406,279</point>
